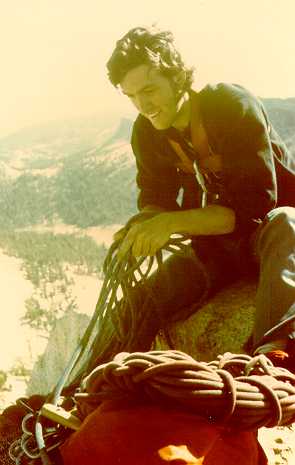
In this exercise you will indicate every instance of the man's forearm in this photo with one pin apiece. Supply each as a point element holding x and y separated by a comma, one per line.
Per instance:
<point>145,237</point>
<point>153,208</point>
<point>210,220</point>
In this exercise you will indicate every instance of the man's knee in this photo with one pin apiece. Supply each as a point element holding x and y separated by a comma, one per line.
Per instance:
<point>283,216</point>
<point>181,278</point>
<point>278,228</point>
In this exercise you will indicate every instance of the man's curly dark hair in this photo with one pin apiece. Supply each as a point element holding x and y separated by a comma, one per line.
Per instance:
<point>147,46</point>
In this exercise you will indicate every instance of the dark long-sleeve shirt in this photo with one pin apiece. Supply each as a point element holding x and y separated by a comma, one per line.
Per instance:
<point>258,173</point>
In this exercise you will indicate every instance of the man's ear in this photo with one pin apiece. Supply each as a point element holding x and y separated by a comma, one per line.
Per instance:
<point>179,80</point>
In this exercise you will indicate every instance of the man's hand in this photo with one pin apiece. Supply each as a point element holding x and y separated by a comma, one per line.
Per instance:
<point>147,237</point>
<point>147,213</point>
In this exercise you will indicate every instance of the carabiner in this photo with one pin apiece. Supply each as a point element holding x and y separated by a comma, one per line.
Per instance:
<point>28,423</point>
<point>29,446</point>
<point>15,450</point>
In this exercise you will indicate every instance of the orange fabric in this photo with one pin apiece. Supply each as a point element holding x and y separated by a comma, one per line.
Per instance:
<point>184,164</point>
<point>172,453</point>
<point>134,434</point>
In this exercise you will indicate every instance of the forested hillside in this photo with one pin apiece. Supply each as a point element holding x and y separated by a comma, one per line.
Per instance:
<point>83,174</point>
<point>67,180</point>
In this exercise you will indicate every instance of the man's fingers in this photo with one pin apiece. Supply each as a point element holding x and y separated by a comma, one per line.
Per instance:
<point>154,247</point>
<point>120,234</point>
<point>139,247</point>
<point>124,249</point>
<point>145,246</point>
<point>126,245</point>
<point>141,241</point>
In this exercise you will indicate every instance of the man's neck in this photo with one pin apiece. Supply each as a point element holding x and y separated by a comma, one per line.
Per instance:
<point>183,119</point>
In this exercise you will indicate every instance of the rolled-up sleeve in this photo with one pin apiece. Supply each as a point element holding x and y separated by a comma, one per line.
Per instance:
<point>249,167</point>
<point>156,179</point>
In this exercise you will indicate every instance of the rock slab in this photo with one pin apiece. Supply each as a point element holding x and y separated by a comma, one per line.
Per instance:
<point>222,325</point>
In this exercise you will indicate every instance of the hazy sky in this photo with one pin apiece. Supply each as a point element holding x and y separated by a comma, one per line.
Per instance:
<point>53,52</point>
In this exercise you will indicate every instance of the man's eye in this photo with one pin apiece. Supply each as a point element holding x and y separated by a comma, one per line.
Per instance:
<point>149,91</point>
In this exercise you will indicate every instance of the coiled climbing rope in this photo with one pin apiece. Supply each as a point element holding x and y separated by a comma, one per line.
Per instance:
<point>237,390</point>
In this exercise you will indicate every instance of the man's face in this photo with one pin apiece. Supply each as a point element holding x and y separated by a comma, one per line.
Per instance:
<point>153,95</point>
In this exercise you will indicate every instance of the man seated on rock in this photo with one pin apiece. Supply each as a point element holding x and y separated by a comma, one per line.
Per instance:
<point>209,165</point>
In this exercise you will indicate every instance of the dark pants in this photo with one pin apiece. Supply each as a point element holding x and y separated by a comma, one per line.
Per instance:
<point>186,281</point>
<point>275,301</point>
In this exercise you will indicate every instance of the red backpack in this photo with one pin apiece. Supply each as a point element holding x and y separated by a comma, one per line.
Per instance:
<point>133,433</point>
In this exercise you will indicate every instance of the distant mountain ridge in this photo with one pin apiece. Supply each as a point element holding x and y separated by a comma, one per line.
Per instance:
<point>85,133</point>
<point>83,172</point>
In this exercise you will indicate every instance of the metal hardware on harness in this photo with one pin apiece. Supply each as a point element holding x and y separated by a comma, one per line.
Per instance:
<point>28,446</point>
<point>60,416</point>
<point>201,181</point>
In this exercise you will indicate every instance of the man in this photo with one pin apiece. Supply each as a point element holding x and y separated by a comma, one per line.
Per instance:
<point>209,165</point>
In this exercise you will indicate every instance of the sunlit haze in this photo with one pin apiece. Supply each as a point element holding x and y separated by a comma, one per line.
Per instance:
<point>53,52</point>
